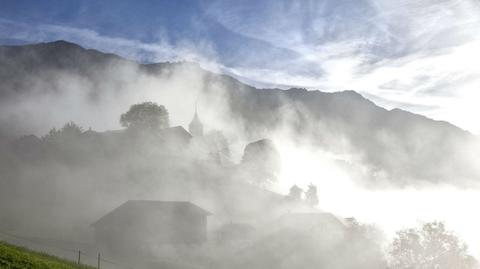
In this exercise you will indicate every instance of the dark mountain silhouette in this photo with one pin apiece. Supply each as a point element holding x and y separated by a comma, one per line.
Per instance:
<point>391,144</point>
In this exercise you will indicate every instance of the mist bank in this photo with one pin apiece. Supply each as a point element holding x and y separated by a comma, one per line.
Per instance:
<point>48,84</point>
<point>55,188</point>
<point>56,182</point>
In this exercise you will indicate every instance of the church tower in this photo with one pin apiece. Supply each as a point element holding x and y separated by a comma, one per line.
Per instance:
<point>195,127</point>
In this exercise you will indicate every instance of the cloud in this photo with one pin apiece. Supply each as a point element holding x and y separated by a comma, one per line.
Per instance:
<point>419,56</point>
<point>128,48</point>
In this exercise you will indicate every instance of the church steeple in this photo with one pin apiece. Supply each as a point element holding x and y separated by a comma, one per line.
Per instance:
<point>196,127</point>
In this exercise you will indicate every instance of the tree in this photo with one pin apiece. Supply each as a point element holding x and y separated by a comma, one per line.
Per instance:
<point>145,116</point>
<point>262,160</point>
<point>295,193</point>
<point>430,246</point>
<point>69,131</point>
<point>311,196</point>
<point>363,245</point>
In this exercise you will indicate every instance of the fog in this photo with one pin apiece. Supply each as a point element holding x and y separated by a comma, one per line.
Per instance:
<point>57,187</point>
<point>390,207</point>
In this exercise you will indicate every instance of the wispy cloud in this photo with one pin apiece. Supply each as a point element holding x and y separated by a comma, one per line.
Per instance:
<point>137,50</point>
<point>417,55</point>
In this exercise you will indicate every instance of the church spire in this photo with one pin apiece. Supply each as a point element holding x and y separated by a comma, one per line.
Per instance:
<point>196,127</point>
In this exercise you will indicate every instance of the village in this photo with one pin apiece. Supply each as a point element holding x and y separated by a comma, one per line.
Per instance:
<point>230,184</point>
<point>189,206</point>
<point>183,229</point>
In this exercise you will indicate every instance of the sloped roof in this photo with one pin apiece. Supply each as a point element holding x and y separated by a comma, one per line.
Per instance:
<point>176,132</point>
<point>310,219</point>
<point>139,208</point>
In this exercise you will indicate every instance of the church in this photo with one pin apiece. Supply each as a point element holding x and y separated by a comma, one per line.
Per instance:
<point>196,127</point>
<point>211,146</point>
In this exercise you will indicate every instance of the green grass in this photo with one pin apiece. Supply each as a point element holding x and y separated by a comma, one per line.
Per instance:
<point>14,257</point>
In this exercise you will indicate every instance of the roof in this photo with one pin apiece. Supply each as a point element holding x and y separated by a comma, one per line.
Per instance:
<point>195,123</point>
<point>310,219</point>
<point>139,208</point>
<point>176,132</point>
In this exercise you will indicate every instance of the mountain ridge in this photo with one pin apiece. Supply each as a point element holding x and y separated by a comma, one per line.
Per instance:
<point>404,144</point>
<point>63,44</point>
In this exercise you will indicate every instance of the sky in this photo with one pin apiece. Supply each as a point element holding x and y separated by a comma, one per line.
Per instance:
<point>420,56</point>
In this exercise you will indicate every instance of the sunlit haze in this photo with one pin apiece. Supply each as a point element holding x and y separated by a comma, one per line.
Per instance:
<point>339,134</point>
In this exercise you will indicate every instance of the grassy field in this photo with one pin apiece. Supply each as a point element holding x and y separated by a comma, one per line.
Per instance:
<point>17,257</point>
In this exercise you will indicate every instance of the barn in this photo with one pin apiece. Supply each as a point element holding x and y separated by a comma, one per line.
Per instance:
<point>142,224</point>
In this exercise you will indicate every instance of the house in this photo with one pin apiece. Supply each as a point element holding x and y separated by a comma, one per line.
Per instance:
<point>140,224</point>
<point>174,138</point>
<point>327,225</point>
<point>295,240</point>
<point>176,134</point>
<point>310,220</point>
<point>234,232</point>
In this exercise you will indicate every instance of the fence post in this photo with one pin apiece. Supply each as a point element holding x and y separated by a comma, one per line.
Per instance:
<point>79,253</point>
<point>98,261</point>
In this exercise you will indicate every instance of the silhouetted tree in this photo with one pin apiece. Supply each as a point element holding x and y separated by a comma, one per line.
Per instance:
<point>430,246</point>
<point>262,160</point>
<point>311,196</point>
<point>363,243</point>
<point>69,131</point>
<point>145,116</point>
<point>295,193</point>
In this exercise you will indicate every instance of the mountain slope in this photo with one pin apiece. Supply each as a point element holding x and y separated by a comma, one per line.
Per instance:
<point>395,145</point>
<point>150,22</point>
